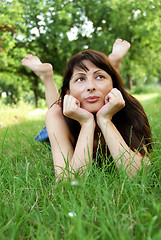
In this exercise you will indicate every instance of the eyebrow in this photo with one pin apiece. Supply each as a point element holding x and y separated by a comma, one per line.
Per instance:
<point>82,73</point>
<point>99,70</point>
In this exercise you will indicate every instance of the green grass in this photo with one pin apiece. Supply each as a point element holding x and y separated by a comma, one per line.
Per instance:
<point>104,205</point>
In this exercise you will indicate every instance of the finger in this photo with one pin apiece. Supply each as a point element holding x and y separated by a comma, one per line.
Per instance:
<point>70,102</point>
<point>109,97</point>
<point>119,98</point>
<point>113,93</point>
<point>66,104</point>
<point>114,96</point>
<point>75,102</point>
<point>67,101</point>
<point>117,93</point>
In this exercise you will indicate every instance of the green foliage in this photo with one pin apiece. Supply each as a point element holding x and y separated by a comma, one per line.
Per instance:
<point>11,24</point>
<point>42,28</point>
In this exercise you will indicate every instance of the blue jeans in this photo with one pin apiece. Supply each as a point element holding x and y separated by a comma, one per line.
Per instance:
<point>42,136</point>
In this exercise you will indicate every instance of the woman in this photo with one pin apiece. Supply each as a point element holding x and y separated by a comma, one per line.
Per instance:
<point>94,108</point>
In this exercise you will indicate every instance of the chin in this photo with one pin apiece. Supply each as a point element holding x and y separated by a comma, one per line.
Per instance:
<point>93,109</point>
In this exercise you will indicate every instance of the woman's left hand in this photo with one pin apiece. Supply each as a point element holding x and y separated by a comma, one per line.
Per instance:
<point>114,102</point>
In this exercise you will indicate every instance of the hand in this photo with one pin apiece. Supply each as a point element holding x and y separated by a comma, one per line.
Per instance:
<point>114,102</point>
<point>71,109</point>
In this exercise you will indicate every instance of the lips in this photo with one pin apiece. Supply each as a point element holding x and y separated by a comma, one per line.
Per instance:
<point>92,99</point>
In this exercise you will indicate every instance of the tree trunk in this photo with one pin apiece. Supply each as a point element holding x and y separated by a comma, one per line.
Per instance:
<point>36,97</point>
<point>129,82</point>
<point>13,99</point>
<point>35,88</point>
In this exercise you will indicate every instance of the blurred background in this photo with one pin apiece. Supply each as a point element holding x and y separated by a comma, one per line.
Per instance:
<point>54,30</point>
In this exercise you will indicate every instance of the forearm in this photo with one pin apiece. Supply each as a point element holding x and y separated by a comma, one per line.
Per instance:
<point>118,148</point>
<point>116,62</point>
<point>83,152</point>
<point>66,158</point>
<point>51,93</point>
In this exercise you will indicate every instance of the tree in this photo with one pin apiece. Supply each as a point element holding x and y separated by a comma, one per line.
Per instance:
<point>42,28</point>
<point>11,25</point>
<point>46,26</point>
<point>136,21</point>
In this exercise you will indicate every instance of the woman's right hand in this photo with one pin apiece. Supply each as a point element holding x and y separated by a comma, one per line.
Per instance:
<point>72,109</point>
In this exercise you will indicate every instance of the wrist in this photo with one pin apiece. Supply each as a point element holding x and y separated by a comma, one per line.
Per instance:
<point>47,81</point>
<point>115,60</point>
<point>103,121</point>
<point>88,122</point>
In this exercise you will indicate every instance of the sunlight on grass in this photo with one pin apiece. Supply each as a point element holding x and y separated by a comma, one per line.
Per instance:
<point>10,115</point>
<point>143,97</point>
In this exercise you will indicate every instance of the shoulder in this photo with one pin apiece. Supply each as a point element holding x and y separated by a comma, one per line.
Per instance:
<point>55,121</point>
<point>55,110</point>
<point>54,117</point>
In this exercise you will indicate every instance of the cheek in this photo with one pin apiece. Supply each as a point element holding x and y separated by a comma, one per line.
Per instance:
<point>75,93</point>
<point>71,90</point>
<point>111,85</point>
<point>107,88</point>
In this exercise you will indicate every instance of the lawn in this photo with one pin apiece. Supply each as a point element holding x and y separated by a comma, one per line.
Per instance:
<point>97,205</point>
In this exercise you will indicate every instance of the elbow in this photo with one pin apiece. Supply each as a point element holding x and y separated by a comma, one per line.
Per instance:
<point>54,112</point>
<point>133,164</point>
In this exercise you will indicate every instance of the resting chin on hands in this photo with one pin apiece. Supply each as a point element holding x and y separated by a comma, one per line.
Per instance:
<point>114,102</point>
<point>72,109</point>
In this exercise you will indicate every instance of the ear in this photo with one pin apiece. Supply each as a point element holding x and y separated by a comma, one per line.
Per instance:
<point>67,92</point>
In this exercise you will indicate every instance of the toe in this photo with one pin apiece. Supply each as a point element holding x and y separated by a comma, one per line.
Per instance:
<point>127,43</point>
<point>28,55</point>
<point>119,40</point>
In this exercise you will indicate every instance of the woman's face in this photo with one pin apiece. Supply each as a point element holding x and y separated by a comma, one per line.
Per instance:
<point>90,87</point>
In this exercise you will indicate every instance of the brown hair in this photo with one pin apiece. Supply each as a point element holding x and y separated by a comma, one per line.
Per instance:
<point>131,121</point>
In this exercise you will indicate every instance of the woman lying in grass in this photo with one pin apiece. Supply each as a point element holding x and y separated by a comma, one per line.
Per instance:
<point>95,108</point>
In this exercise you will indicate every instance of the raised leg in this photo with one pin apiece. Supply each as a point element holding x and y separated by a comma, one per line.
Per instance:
<point>45,72</point>
<point>119,51</point>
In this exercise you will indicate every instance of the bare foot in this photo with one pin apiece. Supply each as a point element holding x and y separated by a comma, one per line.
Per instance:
<point>119,50</point>
<point>43,70</point>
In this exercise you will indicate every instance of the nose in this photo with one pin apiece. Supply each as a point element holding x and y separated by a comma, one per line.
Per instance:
<point>91,86</point>
<point>91,89</point>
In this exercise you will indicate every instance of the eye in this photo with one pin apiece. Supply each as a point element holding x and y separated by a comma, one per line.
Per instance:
<point>80,79</point>
<point>100,77</point>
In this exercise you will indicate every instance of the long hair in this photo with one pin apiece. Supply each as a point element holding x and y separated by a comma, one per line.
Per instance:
<point>131,121</point>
